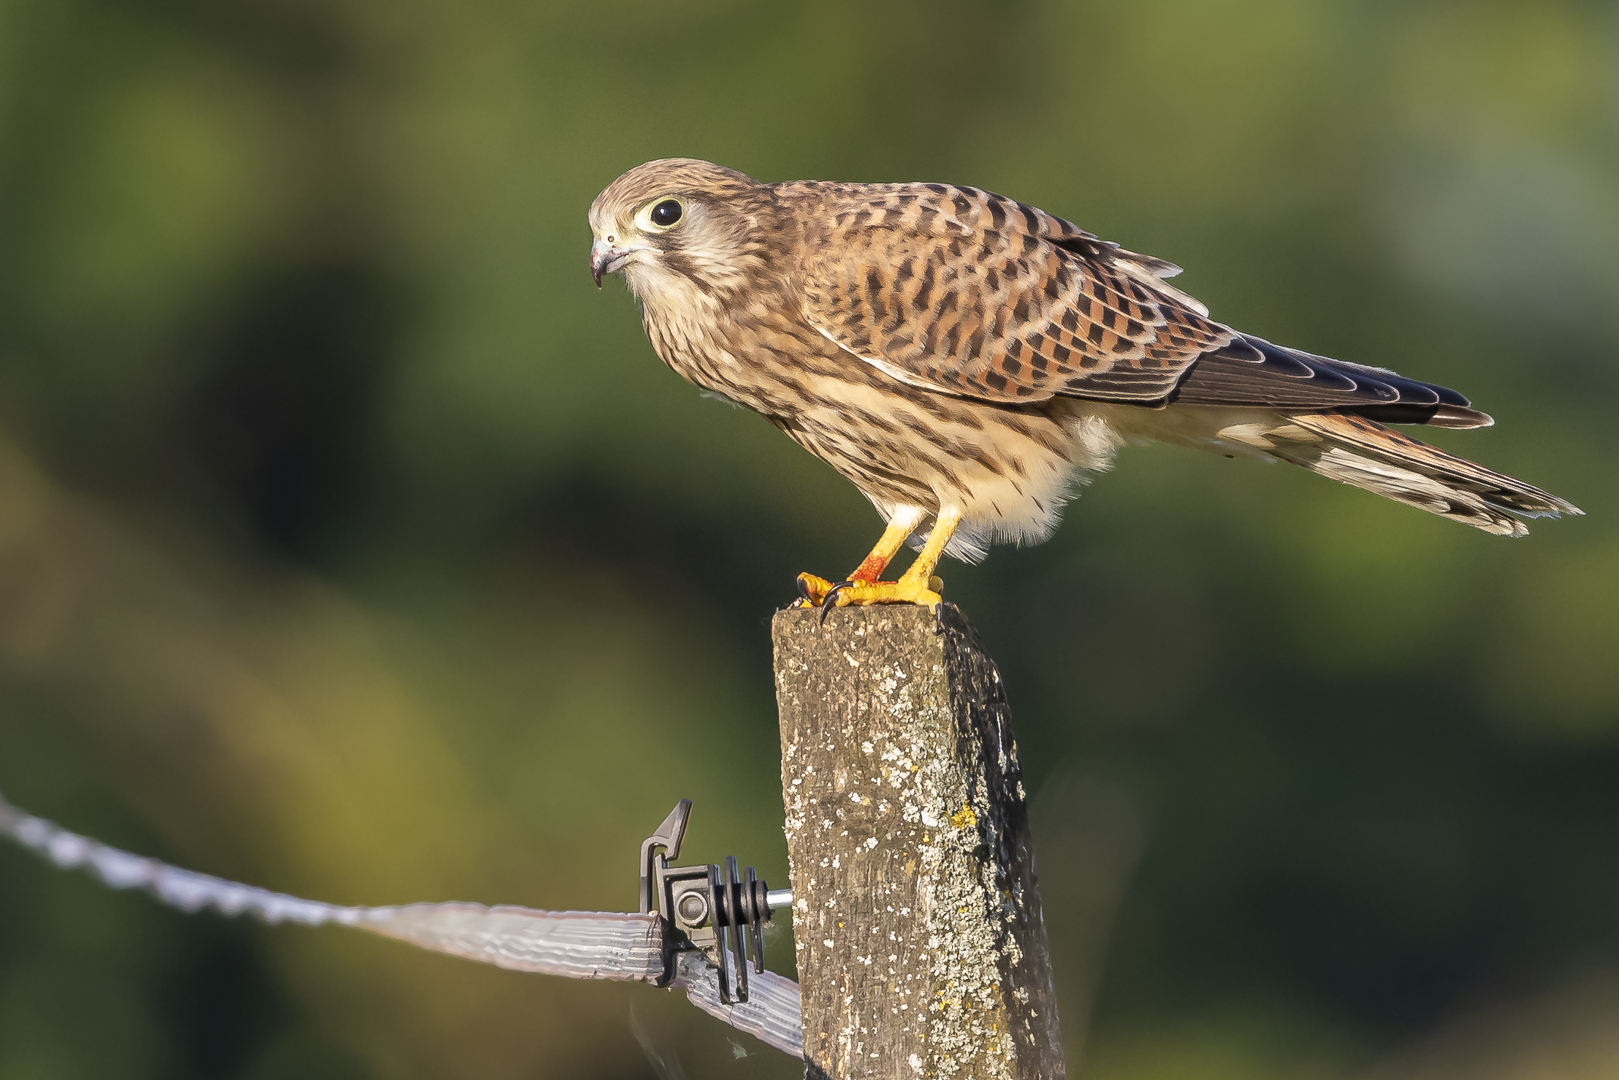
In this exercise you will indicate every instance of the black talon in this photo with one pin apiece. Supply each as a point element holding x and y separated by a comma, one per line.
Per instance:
<point>831,599</point>
<point>806,598</point>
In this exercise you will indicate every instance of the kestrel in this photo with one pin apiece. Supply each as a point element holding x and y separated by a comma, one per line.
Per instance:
<point>963,358</point>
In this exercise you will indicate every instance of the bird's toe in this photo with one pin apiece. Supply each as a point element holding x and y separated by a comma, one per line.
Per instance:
<point>812,590</point>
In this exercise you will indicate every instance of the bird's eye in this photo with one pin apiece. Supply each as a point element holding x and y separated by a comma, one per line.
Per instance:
<point>666,213</point>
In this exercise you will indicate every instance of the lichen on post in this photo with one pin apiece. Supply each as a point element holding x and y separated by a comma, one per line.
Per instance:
<point>916,918</point>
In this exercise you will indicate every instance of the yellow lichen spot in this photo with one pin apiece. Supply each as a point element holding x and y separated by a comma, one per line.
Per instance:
<point>964,818</point>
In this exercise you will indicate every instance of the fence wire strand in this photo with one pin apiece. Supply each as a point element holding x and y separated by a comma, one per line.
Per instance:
<point>572,944</point>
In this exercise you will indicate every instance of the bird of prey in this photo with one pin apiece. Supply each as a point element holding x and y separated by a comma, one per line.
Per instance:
<point>962,358</point>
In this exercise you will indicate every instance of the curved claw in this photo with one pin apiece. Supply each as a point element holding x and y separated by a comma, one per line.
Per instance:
<point>804,599</point>
<point>831,600</point>
<point>812,590</point>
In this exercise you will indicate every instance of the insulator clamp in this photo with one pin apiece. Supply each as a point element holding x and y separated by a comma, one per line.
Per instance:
<point>710,908</point>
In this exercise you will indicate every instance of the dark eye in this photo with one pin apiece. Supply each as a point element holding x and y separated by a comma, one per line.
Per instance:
<point>666,213</point>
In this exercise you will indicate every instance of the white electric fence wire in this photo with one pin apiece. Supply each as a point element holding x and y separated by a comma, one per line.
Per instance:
<point>573,944</point>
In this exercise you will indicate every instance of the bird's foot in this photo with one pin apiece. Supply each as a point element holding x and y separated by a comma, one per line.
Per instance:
<point>812,590</point>
<point>826,595</point>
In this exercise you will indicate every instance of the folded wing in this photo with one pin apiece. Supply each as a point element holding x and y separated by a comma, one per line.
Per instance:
<point>968,293</point>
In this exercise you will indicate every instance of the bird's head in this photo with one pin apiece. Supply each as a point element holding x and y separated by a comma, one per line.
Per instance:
<point>681,228</point>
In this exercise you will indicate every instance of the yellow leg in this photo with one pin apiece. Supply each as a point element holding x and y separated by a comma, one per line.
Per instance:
<point>916,586</point>
<point>900,528</point>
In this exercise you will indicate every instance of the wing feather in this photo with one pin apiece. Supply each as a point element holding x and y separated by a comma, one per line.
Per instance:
<point>965,292</point>
<point>970,293</point>
<point>1252,371</point>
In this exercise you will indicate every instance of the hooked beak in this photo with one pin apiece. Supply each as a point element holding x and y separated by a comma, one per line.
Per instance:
<point>607,259</point>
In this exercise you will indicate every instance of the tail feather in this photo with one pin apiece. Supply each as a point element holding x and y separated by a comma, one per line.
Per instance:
<point>1361,452</point>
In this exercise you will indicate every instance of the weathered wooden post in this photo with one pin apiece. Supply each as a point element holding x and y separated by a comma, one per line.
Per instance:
<point>916,918</point>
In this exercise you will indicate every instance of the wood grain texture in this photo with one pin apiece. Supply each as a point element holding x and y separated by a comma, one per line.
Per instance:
<point>916,917</point>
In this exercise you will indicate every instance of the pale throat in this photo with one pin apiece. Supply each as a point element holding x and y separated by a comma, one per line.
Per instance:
<point>670,295</point>
<point>667,295</point>
<point>678,315</point>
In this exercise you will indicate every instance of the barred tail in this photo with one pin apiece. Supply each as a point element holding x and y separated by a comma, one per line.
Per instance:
<point>1354,450</point>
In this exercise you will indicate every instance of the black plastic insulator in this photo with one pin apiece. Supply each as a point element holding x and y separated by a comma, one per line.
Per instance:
<point>743,903</point>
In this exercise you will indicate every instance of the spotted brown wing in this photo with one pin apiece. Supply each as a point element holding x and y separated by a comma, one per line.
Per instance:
<point>965,292</point>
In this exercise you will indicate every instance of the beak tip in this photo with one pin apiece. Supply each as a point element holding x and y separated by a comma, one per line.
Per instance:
<point>604,260</point>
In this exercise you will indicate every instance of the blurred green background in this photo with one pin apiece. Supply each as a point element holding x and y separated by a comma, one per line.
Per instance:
<point>353,545</point>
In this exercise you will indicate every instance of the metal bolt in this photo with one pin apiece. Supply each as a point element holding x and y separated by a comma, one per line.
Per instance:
<point>693,908</point>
